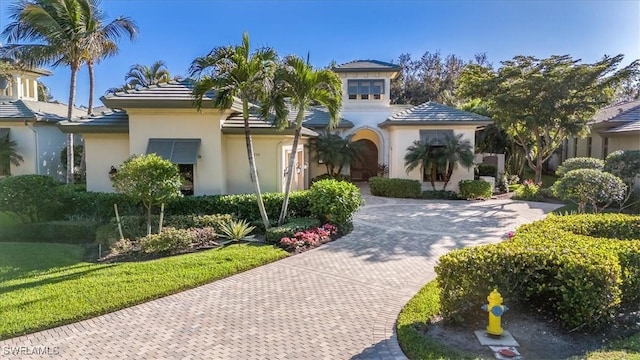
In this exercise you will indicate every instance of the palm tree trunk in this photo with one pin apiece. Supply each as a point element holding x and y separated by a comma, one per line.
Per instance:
<point>91,86</point>
<point>72,95</point>
<point>252,164</point>
<point>287,189</point>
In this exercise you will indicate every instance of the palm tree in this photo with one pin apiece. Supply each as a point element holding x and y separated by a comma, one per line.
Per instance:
<point>8,155</point>
<point>103,42</point>
<point>143,75</point>
<point>55,32</point>
<point>336,152</point>
<point>423,155</point>
<point>301,85</point>
<point>236,72</point>
<point>456,151</point>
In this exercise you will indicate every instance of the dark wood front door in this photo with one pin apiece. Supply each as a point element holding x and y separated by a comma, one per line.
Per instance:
<point>363,169</point>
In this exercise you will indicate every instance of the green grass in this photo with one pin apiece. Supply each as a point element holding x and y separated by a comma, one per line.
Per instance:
<point>426,304</point>
<point>414,317</point>
<point>547,179</point>
<point>46,285</point>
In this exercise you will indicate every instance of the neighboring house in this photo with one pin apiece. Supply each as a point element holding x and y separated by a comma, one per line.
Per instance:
<point>209,146</point>
<point>31,124</point>
<point>615,127</point>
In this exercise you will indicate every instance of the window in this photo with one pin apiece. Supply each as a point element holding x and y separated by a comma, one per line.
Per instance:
<point>605,147</point>
<point>365,89</point>
<point>589,143</point>
<point>575,147</point>
<point>183,152</point>
<point>437,140</point>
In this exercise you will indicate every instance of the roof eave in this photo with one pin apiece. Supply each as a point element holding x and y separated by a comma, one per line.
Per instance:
<point>79,128</point>
<point>268,131</point>
<point>388,123</point>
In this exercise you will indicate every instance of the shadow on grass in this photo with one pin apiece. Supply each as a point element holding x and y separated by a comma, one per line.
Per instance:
<point>48,280</point>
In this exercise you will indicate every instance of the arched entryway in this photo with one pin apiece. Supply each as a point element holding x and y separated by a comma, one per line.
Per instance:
<point>367,166</point>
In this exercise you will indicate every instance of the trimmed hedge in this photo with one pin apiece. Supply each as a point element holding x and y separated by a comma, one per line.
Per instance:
<point>555,264</point>
<point>487,170</point>
<point>32,197</point>
<point>440,195</point>
<point>397,188</point>
<point>274,234</point>
<point>579,163</point>
<point>475,189</point>
<point>69,232</point>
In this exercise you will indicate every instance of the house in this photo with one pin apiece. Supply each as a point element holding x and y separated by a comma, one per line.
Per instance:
<point>32,124</point>
<point>209,145</point>
<point>615,127</point>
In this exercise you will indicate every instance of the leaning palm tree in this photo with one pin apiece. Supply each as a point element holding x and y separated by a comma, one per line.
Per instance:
<point>55,32</point>
<point>298,83</point>
<point>8,155</point>
<point>236,72</point>
<point>456,151</point>
<point>143,75</point>
<point>422,155</point>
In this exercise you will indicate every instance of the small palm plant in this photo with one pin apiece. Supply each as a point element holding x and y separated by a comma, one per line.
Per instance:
<point>236,230</point>
<point>8,155</point>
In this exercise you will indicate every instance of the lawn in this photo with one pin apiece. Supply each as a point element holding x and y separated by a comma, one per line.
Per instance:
<point>46,285</point>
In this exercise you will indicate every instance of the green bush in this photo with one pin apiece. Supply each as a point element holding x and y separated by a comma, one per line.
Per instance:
<point>440,195</point>
<point>624,164</point>
<point>339,177</point>
<point>554,264</point>
<point>32,197</point>
<point>170,240</point>
<point>274,234</point>
<point>529,191</point>
<point>487,170</point>
<point>579,163</point>
<point>590,187</point>
<point>334,202</point>
<point>475,189</point>
<point>134,227</point>
<point>398,188</point>
<point>69,232</point>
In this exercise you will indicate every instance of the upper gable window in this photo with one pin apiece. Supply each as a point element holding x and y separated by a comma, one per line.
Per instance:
<point>365,89</point>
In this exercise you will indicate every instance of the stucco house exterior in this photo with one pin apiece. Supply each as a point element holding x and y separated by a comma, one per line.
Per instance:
<point>209,145</point>
<point>615,127</point>
<point>32,124</point>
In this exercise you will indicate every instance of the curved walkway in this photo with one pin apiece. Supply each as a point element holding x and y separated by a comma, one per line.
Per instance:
<point>339,301</point>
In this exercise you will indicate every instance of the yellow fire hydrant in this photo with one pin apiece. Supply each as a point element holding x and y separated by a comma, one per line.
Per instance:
<point>495,309</point>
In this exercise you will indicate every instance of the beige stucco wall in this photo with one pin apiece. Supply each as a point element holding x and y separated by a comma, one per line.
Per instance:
<point>628,142</point>
<point>401,137</point>
<point>51,141</point>
<point>616,142</point>
<point>269,157</point>
<point>209,170</point>
<point>40,146</point>
<point>373,75</point>
<point>25,138</point>
<point>103,152</point>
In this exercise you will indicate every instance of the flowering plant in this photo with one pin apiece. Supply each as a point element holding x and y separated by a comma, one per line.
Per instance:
<point>308,239</point>
<point>509,235</point>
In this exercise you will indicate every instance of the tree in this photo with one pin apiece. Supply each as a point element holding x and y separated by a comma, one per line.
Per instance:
<point>422,155</point>
<point>8,155</point>
<point>102,42</point>
<point>44,93</point>
<point>456,151</point>
<point>144,76</point>
<point>590,187</point>
<point>149,179</point>
<point>55,32</point>
<point>336,152</point>
<point>541,102</point>
<point>298,83</point>
<point>236,72</point>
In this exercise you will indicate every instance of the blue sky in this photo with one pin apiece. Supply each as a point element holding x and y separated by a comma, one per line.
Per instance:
<point>177,31</point>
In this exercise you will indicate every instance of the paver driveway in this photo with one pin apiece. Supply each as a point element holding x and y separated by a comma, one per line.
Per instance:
<point>339,301</point>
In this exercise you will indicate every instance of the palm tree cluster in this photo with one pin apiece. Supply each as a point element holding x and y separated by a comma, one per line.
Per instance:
<point>435,157</point>
<point>140,76</point>
<point>336,152</point>
<point>8,155</point>
<point>72,33</point>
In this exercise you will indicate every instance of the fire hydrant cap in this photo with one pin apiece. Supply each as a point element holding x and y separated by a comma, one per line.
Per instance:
<point>495,297</point>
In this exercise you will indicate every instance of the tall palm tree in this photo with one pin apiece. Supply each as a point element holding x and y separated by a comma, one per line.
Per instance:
<point>103,42</point>
<point>422,155</point>
<point>298,83</point>
<point>236,72</point>
<point>55,32</point>
<point>456,151</point>
<point>336,152</point>
<point>143,75</point>
<point>8,155</point>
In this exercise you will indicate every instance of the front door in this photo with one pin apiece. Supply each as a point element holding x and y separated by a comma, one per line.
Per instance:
<point>297,182</point>
<point>367,166</point>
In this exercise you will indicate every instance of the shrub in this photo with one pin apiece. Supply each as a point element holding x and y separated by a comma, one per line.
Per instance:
<point>32,197</point>
<point>170,240</point>
<point>398,188</point>
<point>624,164</point>
<point>590,187</point>
<point>308,239</point>
<point>475,189</point>
<point>236,230</point>
<point>579,163</point>
<point>554,264</point>
<point>487,170</point>
<point>440,195</point>
<point>334,201</point>
<point>134,227</point>
<point>339,177</point>
<point>529,191</point>
<point>69,232</point>
<point>203,237</point>
<point>274,234</point>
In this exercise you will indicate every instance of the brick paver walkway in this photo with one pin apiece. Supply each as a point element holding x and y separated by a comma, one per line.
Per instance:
<point>339,301</point>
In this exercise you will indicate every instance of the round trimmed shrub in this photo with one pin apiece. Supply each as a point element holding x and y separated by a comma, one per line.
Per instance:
<point>334,202</point>
<point>579,163</point>
<point>624,164</point>
<point>590,187</point>
<point>32,197</point>
<point>168,241</point>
